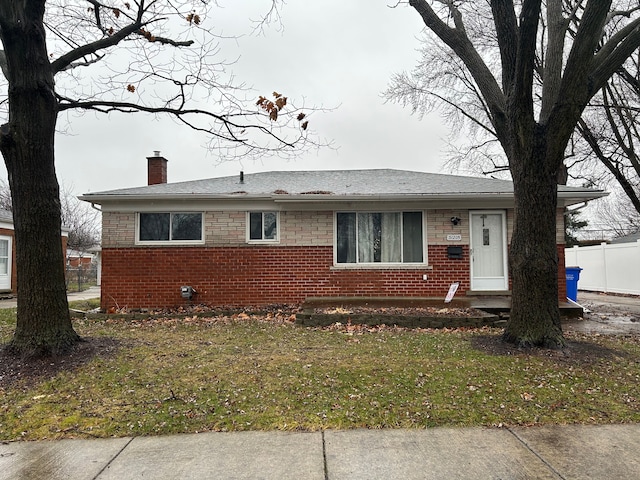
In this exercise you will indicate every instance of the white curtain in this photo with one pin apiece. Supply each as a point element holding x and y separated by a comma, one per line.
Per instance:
<point>390,238</point>
<point>366,238</point>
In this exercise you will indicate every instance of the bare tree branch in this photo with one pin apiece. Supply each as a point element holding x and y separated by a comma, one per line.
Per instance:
<point>461,45</point>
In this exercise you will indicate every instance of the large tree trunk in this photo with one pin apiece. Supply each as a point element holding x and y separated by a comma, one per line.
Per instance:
<point>27,145</point>
<point>533,254</point>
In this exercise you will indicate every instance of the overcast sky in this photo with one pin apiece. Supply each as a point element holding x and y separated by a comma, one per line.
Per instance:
<point>333,53</point>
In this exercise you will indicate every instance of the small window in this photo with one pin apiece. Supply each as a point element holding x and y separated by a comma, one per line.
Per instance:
<point>170,227</point>
<point>263,226</point>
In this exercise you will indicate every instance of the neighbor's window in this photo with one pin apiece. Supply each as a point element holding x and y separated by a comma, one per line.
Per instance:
<point>263,226</point>
<point>388,237</point>
<point>4,257</point>
<point>170,227</point>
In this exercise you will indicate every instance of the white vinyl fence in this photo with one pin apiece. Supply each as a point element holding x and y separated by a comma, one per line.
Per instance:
<point>611,268</point>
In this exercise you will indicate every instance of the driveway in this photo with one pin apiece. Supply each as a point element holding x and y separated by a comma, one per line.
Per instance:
<point>607,314</point>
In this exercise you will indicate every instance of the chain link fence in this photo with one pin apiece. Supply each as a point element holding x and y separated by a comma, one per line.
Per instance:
<point>81,277</point>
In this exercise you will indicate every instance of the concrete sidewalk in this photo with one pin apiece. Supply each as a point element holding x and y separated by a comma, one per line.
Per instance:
<point>556,452</point>
<point>91,292</point>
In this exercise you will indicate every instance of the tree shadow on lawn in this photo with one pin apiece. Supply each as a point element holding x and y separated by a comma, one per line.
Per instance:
<point>27,372</point>
<point>15,370</point>
<point>577,351</point>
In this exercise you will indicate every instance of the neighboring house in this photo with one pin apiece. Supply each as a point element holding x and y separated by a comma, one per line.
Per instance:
<point>76,258</point>
<point>7,253</point>
<point>8,283</point>
<point>280,237</point>
<point>97,253</point>
<point>631,238</point>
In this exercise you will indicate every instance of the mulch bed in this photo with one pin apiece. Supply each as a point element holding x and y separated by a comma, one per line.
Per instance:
<point>579,349</point>
<point>400,311</point>
<point>403,316</point>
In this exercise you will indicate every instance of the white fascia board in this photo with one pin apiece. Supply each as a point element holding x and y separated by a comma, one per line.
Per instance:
<point>569,198</point>
<point>397,202</point>
<point>254,205</point>
<point>10,226</point>
<point>285,198</point>
<point>189,205</point>
<point>202,202</point>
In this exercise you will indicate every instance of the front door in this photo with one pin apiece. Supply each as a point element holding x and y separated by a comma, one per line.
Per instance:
<point>488,250</point>
<point>5,263</point>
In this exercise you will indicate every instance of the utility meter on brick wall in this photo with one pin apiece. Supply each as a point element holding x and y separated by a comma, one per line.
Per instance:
<point>187,291</point>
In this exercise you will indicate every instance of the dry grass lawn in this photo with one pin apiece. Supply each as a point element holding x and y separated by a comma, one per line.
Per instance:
<point>241,372</point>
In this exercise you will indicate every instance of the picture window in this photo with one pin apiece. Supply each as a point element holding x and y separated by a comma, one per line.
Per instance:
<point>169,227</point>
<point>388,237</point>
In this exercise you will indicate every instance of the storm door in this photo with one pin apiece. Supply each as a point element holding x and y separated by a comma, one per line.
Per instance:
<point>488,251</point>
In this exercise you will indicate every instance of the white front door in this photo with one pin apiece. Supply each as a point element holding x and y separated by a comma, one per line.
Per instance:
<point>488,250</point>
<point>5,263</point>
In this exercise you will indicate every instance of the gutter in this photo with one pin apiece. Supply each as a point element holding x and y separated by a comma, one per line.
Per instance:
<point>564,198</point>
<point>284,198</point>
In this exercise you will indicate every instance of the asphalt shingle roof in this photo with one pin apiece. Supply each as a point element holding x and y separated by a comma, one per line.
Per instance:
<point>383,182</point>
<point>632,237</point>
<point>6,215</point>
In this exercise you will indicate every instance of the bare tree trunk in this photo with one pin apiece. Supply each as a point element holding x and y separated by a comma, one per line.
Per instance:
<point>27,145</point>
<point>533,254</point>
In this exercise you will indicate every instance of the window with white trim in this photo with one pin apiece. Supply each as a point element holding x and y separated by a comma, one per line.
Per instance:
<point>183,227</point>
<point>4,256</point>
<point>386,237</point>
<point>262,227</point>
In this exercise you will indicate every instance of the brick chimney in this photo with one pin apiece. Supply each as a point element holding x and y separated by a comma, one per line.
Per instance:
<point>156,169</point>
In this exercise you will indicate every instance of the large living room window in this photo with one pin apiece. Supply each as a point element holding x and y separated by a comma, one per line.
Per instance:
<point>387,237</point>
<point>170,227</point>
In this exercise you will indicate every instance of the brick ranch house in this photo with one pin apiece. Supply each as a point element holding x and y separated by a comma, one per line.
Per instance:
<point>280,237</point>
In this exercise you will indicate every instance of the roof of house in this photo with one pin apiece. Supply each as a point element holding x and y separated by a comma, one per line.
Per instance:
<point>632,237</point>
<point>80,254</point>
<point>6,216</point>
<point>331,185</point>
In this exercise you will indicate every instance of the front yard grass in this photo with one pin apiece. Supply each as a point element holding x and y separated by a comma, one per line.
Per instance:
<point>162,376</point>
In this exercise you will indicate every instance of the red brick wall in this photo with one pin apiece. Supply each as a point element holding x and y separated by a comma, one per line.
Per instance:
<point>77,261</point>
<point>562,280</point>
<point>256,275</point>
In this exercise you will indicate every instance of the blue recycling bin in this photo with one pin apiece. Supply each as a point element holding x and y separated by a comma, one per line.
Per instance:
<point>572,275</point>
